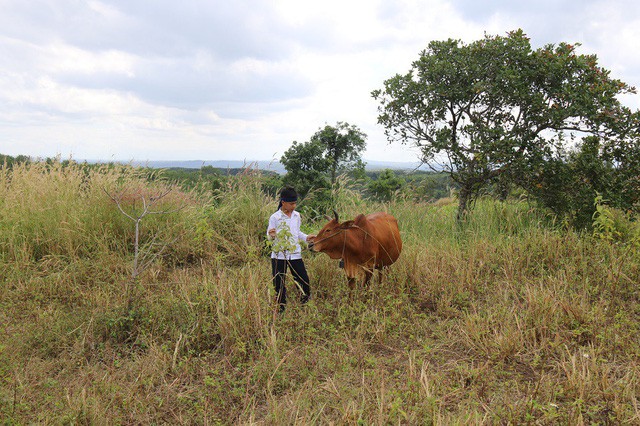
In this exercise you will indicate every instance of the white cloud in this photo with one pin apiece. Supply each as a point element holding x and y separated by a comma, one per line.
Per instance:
<point>209,80</point>
<point>65,59</point>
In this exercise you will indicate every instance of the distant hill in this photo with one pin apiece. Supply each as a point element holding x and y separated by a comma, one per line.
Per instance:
<point>274,166</point>
<point>395,165</point>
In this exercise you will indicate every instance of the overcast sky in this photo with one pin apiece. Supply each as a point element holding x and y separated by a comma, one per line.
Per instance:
<point>241,80</point>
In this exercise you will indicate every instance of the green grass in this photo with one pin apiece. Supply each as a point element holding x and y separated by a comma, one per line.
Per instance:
<point>507,319</point>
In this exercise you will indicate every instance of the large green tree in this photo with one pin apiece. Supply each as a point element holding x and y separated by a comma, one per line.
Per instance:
<point>306,166</point>
<point>330,151</point>
<point>493,108</point>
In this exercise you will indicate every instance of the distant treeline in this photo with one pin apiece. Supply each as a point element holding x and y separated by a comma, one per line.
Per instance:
<point>9,160</point>
<point>381,185</point>
<point>180,172</point>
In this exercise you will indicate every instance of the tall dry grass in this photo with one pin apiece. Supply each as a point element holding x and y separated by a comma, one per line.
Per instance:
<point>507,319</point>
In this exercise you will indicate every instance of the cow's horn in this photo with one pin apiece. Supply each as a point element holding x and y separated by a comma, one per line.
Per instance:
<point>335,213</point>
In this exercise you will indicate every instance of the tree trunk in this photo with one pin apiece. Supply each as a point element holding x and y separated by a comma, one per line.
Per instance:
<point>463,203</point>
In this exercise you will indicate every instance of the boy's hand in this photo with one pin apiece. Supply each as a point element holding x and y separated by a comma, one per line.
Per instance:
<point>272,232</point>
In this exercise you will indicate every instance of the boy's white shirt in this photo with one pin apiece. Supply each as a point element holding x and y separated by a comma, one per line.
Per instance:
<point>293,223</point>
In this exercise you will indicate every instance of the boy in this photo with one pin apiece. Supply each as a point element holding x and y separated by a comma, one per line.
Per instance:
<point>284,229</point>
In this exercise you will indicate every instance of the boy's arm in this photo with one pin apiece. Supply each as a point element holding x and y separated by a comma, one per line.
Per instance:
<point>301,235</point>
<point>271,228</point>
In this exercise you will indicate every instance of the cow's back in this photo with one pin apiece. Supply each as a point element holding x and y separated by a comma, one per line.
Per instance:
<point>382,236</point>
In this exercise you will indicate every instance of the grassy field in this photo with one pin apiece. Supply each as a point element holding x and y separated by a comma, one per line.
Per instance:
<point>507,319</point>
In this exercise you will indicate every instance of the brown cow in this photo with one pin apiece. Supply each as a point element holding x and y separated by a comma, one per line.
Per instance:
<point>365,243</point>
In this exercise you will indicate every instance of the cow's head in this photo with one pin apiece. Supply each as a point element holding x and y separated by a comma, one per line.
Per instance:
<point>331,238</point>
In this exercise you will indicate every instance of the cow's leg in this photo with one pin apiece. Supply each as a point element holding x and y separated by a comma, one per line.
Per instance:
<point>367,277</point>
<point>351,281</point>
<point>351,270</point>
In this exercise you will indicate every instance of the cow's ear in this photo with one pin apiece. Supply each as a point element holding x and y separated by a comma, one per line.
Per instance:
<point>360,219</point>
<point>346,225</point>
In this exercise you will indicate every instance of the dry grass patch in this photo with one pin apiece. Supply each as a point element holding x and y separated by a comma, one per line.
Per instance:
<point>505,320</point>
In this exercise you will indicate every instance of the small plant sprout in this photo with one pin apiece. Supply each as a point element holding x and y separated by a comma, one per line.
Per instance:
<point>284,242</point>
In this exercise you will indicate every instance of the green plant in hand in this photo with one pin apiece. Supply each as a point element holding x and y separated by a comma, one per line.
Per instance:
<point>284,242</point>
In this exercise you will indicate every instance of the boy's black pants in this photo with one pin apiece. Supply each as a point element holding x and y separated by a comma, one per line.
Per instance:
<point>278,271</point>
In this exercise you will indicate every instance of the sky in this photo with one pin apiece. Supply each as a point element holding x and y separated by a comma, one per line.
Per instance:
<point>144,80</point>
